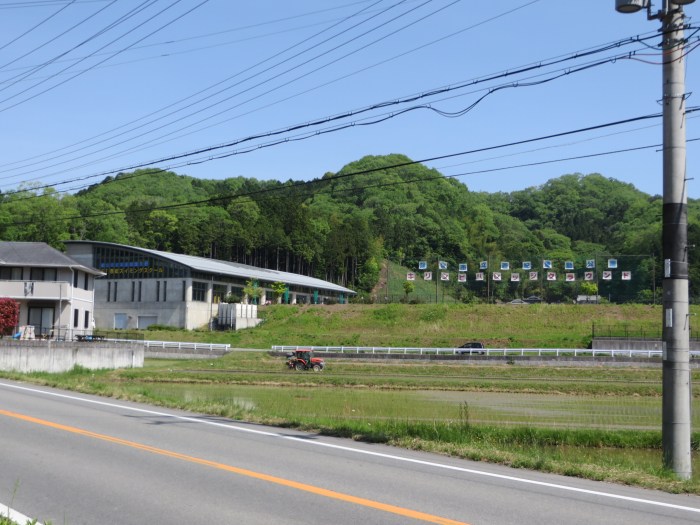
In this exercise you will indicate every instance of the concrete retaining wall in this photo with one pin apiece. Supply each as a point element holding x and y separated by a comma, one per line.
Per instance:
<point>59,356</point>
<point>627,343</point>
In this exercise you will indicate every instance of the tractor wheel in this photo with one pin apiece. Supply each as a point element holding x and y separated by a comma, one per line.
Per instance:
<point>299,367</point>
<point>317,368</point>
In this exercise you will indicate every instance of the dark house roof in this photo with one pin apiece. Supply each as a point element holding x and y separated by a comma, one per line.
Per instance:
<point>38,254</point>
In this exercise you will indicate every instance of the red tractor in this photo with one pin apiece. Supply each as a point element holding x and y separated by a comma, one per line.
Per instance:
<point>304,360</point>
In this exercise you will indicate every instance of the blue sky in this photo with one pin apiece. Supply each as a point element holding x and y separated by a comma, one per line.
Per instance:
<point>80,99</point>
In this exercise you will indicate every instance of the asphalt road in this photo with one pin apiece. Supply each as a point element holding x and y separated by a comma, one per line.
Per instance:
<point>75,459</point>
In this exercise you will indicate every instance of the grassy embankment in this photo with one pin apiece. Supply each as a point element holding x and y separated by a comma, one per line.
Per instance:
<point>430,325</point>
<point>599,423</point>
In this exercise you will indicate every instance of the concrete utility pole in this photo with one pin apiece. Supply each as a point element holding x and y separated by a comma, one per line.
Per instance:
<point>676,416</point>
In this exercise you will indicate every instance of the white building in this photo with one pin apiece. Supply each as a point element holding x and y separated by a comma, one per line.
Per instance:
<point>141,287</point>
<point>55,292</point>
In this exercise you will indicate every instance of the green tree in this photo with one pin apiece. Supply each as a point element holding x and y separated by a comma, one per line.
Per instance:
<point>279,289</point>
<point>408,288</point>
<point>252,291</point>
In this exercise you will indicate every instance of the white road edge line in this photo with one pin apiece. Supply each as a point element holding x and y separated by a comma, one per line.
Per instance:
<point>360,451</point>
<point>17,517</point>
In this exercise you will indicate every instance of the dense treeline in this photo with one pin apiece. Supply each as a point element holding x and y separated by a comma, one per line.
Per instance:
<point>341,226</point>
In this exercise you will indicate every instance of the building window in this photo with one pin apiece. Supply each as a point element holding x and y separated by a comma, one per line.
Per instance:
<point>115,291</point>
<point>165,291</point>
<point>42,319</point>
<point>199,291</point>
<point>42,274</point>
<point>157,291</point>
<point>8,273</point>
<point>133,291</point>
<point>86,282</point>
<point>219,292</point>
<point>109,290</point>
<point>184,291</point>
<point>76,318</point>
<point>75,279</point>
<point>87,319</point>
<point>140,289</point>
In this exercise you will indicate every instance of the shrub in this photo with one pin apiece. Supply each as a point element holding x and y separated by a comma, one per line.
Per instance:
<point>9,315</point>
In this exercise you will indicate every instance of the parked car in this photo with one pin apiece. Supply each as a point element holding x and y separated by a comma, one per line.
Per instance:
<point>472,347</point>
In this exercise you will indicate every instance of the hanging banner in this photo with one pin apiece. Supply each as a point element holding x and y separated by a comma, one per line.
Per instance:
<point>590,263</point>
<point>515,277</point>
<point>505,266</point>
<point>442,265</point>
<point>462,267</point>
<point>568,265</point>
<point>547,264</point>
<point>483,265</point>
<point>527,265</point>
<point>551,276</point>
<point>422,265</point>
<point>626,276</point>
<point>410,276</point>
<point>588,276</point>
<point>444,276</point>
<point>533,276</point>
<point>496,276</point>
<point>607,275</point>
<point>612,263</point>
<point>479,276</point>
<point>570,277</point>
<point>427,276</point>
<point>462,277</point>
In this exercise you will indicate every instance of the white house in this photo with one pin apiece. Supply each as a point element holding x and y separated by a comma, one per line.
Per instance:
<point>54,291</point>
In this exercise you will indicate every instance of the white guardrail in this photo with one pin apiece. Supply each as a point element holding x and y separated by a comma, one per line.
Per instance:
<point>174,345</point>
<point>552,352</point>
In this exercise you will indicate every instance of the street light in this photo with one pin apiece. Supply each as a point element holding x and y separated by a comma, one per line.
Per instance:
<point>675,426</point>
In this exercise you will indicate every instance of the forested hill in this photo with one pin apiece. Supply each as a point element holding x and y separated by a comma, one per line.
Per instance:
<point>341,226</point>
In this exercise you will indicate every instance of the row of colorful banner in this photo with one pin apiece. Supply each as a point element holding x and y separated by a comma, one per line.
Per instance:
<point>547,264</point>
<point>607,275</point>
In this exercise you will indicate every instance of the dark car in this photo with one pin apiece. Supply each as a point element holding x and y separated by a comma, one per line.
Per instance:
<point>473,347</point>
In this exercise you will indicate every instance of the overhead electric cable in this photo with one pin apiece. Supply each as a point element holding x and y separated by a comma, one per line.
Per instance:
<point>272,56</point>
<point>369,120</point>
<point>130,31</point>
<point>354,189</point>
<point>421,161</point>
<point>424,94</point>
<point>286,71</point>
<point>63,33</point>
<point>208,35</point>
<point>36,26</point>
<point>23,76</point>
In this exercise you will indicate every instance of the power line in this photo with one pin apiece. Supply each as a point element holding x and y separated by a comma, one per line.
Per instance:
<point>54,39</point>
<point>340,176</point>
<point>110,43</point>
<point>397,102</point>
<point>212,34</point>
<point>36,26</point>
<point>271,57</point>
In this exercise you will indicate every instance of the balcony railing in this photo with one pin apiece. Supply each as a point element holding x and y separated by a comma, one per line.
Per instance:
<point>42,290</point>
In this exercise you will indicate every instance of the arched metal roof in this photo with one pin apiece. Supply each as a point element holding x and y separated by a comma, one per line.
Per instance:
<point>214,266</point>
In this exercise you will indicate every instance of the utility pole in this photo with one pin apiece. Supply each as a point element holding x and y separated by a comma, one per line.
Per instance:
<point>675,426</point>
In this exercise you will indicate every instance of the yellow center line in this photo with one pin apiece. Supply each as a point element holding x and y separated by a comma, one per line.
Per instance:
<point>428,518</point>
